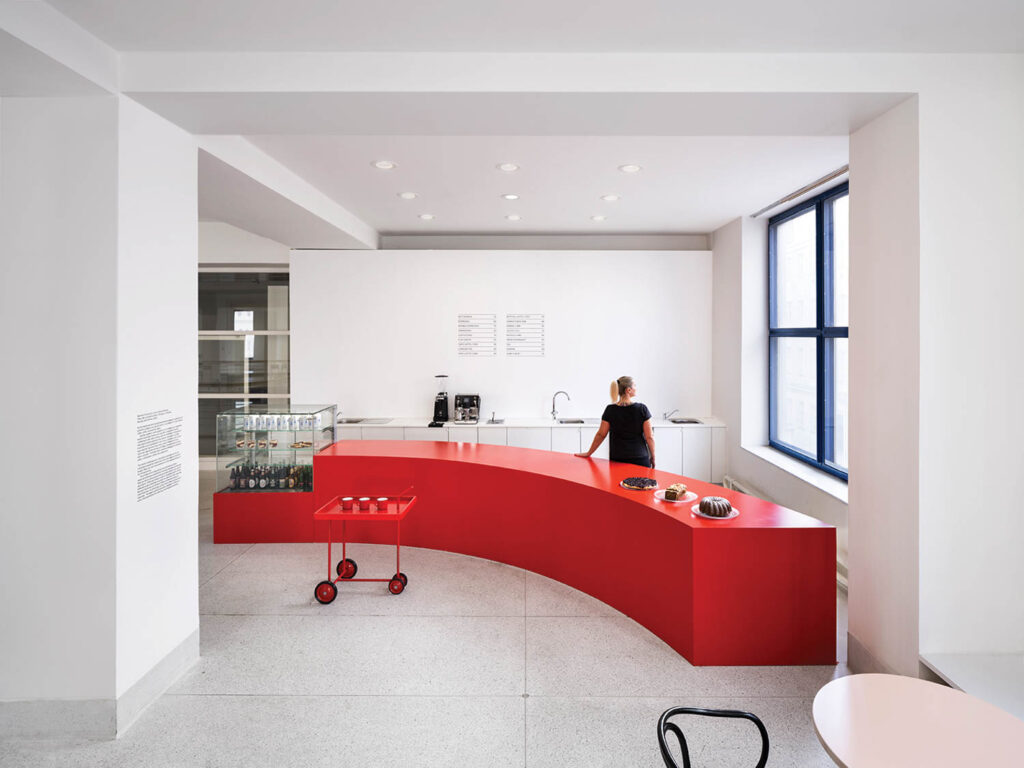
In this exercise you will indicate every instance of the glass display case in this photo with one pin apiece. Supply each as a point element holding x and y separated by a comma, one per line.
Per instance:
<point>262,449</point>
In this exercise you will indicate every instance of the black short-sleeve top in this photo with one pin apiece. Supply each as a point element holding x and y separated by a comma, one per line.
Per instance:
<point>627,432</point>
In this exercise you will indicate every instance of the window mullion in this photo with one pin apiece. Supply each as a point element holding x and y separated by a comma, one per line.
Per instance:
<point>819,249</point>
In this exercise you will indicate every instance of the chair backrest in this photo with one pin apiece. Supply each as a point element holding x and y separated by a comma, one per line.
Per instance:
<point>665,727</point>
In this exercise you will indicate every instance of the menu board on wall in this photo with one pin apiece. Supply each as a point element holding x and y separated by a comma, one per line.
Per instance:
<point>524,335</point>
<point>478,335</point>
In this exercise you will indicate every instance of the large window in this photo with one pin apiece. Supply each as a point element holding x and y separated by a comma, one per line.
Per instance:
<point>808,348</point>
<point>243,345</point>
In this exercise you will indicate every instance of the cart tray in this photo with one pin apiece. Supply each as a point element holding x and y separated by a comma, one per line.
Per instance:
<point>398,508</point>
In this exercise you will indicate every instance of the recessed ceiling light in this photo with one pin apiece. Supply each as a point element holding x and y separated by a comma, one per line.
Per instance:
<point>408,195</point>
<point>629,168</point>
<point>513,217</point>
<point>609,198</point>
<point>510,196</point>
<point>427,216</point>
<point>597,218</point>
<point>508,167</point>
<point>385,165</point>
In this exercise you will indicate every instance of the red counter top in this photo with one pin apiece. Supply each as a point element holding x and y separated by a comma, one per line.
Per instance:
<point>597,474</point>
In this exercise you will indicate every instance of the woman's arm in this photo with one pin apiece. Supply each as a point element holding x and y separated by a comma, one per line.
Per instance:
<point>602,433</point>
<point>649,439</point>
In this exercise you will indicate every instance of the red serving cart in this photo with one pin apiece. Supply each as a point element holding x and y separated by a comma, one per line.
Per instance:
<point>345,508</point>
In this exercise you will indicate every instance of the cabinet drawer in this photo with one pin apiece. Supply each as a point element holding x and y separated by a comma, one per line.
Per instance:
<point>530,437</point>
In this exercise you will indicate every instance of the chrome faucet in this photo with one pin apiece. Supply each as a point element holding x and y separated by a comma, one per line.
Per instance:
<point>554,412</point>
<point>666,416</point>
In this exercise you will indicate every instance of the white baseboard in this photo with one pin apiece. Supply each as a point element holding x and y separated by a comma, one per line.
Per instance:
<point>154,683</point>
<point>97,719</point>
<point>92,719</point>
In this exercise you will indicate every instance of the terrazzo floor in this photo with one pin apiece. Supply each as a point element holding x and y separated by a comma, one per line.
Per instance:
<point>476,664</point>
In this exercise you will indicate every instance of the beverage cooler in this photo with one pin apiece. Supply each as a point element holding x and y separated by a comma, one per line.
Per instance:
<point>265,470</point>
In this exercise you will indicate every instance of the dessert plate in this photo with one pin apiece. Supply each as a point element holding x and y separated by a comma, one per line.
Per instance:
<point>689,496</point>
<point>732,513</point>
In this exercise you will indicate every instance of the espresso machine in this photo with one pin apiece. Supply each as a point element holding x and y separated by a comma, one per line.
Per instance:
<point>440,402</point>
<point>467,409</point>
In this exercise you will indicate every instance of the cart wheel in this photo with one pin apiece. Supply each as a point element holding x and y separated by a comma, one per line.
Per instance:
<point>347,568</point>
<point>396,585</point>
<point>403,577</point>
<point>325,592</point>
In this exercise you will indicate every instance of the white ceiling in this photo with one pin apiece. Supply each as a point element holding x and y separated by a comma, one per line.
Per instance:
<point>563,25</point>
<point>25,71</point>
<point>226,194</point>
<point>529,114</point>
<point>688,183</point>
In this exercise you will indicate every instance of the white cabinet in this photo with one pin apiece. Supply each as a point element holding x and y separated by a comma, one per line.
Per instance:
<point>426,433</point>
<point>587,437</point>
<point>565,439</point>
<point>383,433</point>
<point>462,434</point>
<point>697,453</point>
<point>492,435</point>
<point>718,459</point>
<point>668,449</point>
<point>530,437</point>
<point>348,433</point>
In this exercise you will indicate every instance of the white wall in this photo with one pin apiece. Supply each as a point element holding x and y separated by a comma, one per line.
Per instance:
<point>884,390</point>
<point>58,237</point>
<point>98,233</point>
<point>371,329</point>
<point>740,368</point>
<point>972,369</point>
<point>157,367</point>
<point>221,243</point>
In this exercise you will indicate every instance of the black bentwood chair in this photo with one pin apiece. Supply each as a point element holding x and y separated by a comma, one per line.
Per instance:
<point>664,726</point>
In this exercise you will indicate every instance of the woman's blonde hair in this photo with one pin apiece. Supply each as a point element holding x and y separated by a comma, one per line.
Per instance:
<point>620,385</point>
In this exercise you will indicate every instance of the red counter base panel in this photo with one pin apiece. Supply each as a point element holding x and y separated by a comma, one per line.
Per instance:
<point>756,589</point>
<point>262,517</point>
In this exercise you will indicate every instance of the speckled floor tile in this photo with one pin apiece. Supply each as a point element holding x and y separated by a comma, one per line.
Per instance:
<point>358,655</point>
<point>617,732</point>
<point>279,579</point>
<point>547,597</point>
<point>273,731</point>
<point>603,656</point>
<point>214,558</point>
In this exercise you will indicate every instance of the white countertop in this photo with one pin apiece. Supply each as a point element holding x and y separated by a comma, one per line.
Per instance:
<point>592,423</point>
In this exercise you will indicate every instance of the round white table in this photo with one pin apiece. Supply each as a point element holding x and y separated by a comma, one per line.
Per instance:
<point>864,721</point>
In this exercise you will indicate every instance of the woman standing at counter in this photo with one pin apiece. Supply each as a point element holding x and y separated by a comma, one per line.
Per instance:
<point>629,424</point>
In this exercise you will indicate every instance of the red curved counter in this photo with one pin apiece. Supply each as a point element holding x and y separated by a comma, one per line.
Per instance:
<point>756,589</point>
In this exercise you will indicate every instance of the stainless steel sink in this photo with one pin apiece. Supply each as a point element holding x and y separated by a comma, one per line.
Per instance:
<point>571,421</point>
<point>350,421</point>
<point>376,421</point>
<point>686,421</point>
<point>363,421</point>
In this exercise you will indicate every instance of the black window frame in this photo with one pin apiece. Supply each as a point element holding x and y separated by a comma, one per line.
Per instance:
<point>822,332</point>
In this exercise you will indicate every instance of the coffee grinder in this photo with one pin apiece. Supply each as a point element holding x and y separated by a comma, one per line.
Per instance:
<point>440,402</point>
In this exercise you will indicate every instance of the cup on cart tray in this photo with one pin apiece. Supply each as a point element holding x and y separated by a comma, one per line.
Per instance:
<point>346,503</point>
<point>364,503</point>
<point>382,504</point>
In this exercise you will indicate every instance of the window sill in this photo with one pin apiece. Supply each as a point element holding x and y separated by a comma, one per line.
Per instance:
<point>823,481</point>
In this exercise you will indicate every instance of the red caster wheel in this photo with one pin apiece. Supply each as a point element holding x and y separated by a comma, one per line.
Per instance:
<point>403,577</point>
<point>396,585</point>
<point>325,592</point>
<point>347,568</point>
